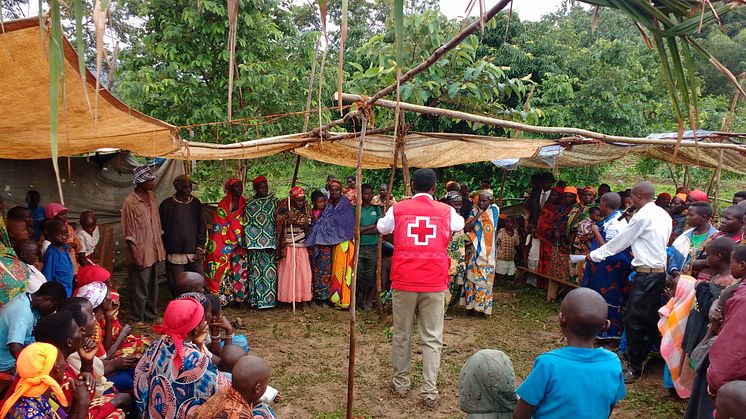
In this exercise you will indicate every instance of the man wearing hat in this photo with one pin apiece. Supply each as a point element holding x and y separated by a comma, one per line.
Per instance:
<point>184,231</point>
<point>141,227</point>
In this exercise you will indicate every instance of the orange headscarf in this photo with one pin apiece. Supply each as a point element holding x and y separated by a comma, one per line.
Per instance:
<point>573,190</point>
<point>181,317</point>
<point>33,366</point>
<point>681,196</point>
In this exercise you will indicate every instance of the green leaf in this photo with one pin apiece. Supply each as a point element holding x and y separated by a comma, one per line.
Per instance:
<point>399,30</point>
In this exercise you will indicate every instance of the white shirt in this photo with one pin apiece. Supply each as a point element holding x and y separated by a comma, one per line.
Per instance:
<point>647,233</point>
<point>35,280</point>
<point>614,225</point>
<point>386,224</point>
<point>89,241</point>
<point>544,197</point>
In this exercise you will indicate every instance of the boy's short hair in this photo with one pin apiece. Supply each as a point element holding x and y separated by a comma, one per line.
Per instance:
<point>51,225</point>
<point>18,213</point>
<point>52,290</point>
<point>75,306</point>
<point>365,186</point>
<point>594,209</point>
<point>54,328</point>
<point>702,207</point>
<point>739,253</point>
<point>316,194</point>
<point>585,312</point>
<point>424,180</point>
<point>722,246</point>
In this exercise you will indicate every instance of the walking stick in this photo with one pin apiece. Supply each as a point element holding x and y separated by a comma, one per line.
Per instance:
<point>292,238</point>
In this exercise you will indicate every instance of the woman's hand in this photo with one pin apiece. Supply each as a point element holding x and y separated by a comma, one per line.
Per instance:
<point>88,351</point>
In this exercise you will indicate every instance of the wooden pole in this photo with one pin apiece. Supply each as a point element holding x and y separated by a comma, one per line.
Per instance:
<point>717,186</point>
<point>353,283</point>
<point>307,114</point>
<point>502,187</point>
<point>389,194</point>
<point>564,131</point>
<point>297,168</point>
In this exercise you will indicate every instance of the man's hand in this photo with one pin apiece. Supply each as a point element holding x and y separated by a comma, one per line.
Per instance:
<point>673,279</point>
<point>82,387</point>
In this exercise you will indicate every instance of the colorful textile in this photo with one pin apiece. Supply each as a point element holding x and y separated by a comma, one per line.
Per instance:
<point>132,345</point>
<point>342,261</point>
<point>297,192</point>
<point>229,404</point>
<point>457,255</point>
<point>224,248</point>
<point>260,223</point>
<point>234,286</point>
<point>609,278</point>
<point>34,364</point>
<point>321,270</point>
<point>672,325</point>
<point>686,249</point>
<point>91,273</point>
<point>100,407</point>
<point>35,408</point>
<point>95,292</point>
<point>180,319</point>
<point>262,281</point>
<point>162,391</point>
<point>14,274</point>
<point>336,224</point>
<point>480,268</point>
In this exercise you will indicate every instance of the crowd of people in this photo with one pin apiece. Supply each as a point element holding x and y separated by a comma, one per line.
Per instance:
<point>654,275</point>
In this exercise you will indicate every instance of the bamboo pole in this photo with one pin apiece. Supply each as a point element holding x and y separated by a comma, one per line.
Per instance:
<point>405,170</point>
<point>307,114</point>
<point>717,185</point>
<point>353,283</point>
<point>502,187</point>
<point>379,260</point>
<point>432,59</point>
<point>447,113</point>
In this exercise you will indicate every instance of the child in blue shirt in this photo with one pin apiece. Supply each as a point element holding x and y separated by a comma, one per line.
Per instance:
<point>576,381</point>
<point>57,263</point>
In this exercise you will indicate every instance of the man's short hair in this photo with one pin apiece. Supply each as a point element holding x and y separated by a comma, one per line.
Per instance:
<point>423,180</point>
<point>18,213</point>
<point>55,328</point>
<point>613,200</point>
<point>365,186</point>
<point>702,207</point>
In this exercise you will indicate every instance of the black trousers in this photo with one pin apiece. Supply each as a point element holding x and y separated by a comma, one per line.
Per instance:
<point>641,317</point>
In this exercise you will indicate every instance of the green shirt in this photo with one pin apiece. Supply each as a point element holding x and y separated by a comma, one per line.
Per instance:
<point>697,240</point>
<point>369,216</point>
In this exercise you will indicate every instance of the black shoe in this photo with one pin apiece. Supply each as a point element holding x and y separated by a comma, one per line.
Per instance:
<point>631,377</point>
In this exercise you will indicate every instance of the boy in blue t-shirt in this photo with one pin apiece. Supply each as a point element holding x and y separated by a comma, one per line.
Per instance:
<point>57,263</point>
<point>577,380</point>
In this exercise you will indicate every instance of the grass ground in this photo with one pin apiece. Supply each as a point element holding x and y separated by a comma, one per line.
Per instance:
<point>308,354</point>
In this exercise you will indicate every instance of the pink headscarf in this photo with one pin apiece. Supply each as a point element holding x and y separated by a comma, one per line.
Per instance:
<point>52,209</point>
<point>297,192</point>
<point>698,195</point>
<point>181,317</point>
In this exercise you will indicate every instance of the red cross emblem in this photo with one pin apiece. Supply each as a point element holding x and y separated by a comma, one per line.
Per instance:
<point>421,231</point>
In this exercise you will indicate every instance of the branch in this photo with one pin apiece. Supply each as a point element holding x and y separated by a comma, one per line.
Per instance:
<point>565,131</point>
<point>432,59</point>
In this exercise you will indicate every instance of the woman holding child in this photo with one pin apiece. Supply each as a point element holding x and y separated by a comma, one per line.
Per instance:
<point>481,229</point>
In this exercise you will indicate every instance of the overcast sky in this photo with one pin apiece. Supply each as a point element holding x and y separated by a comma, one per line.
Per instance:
<point>527,9</point>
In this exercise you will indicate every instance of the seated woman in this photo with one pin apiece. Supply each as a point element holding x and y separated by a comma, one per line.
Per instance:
<point>175,375</point>
<point>61,330</point>
<point>41,368</point>
<point>116,340</point>
<point>486,385</point>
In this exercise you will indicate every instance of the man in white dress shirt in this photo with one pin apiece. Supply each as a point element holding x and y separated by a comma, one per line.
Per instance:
<point>647,233</point>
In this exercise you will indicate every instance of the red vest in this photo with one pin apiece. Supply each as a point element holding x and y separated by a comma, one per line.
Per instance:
<point>422,230</point>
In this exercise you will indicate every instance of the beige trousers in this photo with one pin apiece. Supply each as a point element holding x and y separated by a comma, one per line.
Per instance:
<point>430,308</point>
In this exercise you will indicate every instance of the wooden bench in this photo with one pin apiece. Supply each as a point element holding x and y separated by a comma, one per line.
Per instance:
<point>554,286</point>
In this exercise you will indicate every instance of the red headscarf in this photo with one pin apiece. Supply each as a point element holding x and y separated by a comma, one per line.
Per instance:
<point>91,273</point>
<point>52,209</point>
<point>257,180</point>
<point>297,192</point>
<point>698,195</point>
<point>230,182</point>
<point>336,182</point>
<point>181,317</point>
<point>592,189</point>
<point>665,195</point>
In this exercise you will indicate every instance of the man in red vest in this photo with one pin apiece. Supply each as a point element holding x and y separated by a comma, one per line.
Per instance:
<point>422,228</point>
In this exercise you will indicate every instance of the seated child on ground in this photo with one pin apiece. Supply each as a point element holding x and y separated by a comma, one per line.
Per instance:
<point>577,380</point>
<point>89,235</point>
<point>189,282</point>
<point>243,397</point>
<point>57,263</point>
<point>28,252</point>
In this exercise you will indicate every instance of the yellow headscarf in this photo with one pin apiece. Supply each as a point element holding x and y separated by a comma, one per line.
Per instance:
<point>33,366</point>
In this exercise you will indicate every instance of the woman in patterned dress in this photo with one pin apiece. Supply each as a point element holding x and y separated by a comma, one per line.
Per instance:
<point>175,376</point>
<point>261,241</point>
<point>226,268</point>
<point>456,253</point>
<point>481,229</point>
<point>14,274</point>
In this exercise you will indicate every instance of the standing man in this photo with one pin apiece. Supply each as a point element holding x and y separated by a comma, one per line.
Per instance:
<point>422,228</point>
<point>184,232</point>
<point>647,233</point>
<point>142,231</point>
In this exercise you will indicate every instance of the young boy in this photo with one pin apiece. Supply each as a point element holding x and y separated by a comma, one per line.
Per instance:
<point>577,380</point>
<point>33,198</point>
<point>507,241</point>
<point>731,224</point>
<point>28,252</point>
<point>688,246</point>
<point>189,282</point>
<point>89,235</point>
<point>243,397</point>
<point>57,263</point>
<point>369,216</point>
<point>678,215</point>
